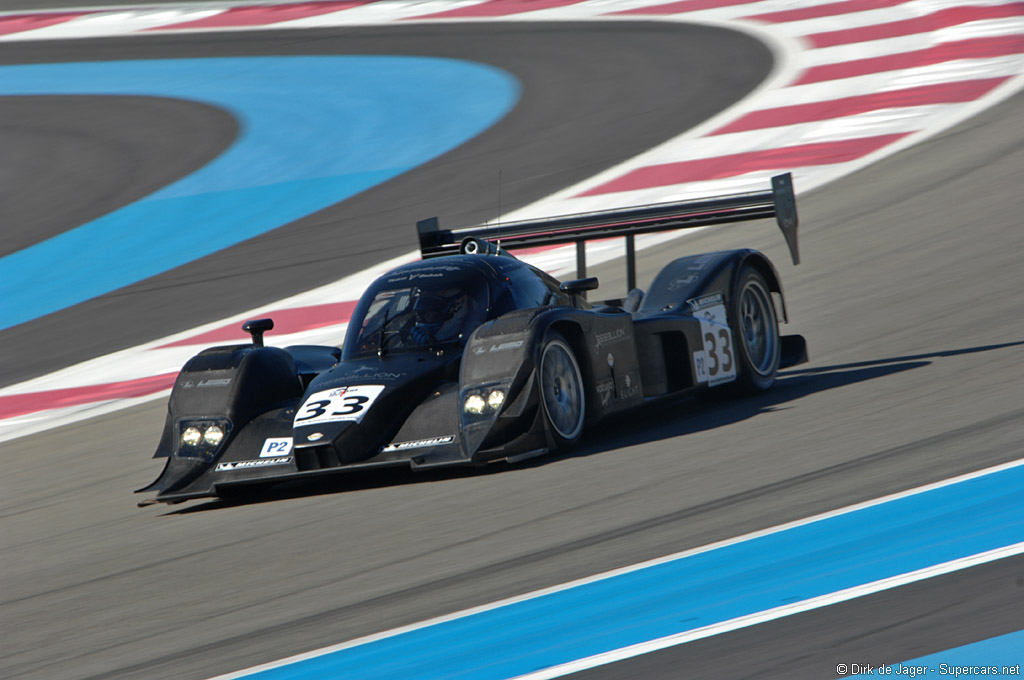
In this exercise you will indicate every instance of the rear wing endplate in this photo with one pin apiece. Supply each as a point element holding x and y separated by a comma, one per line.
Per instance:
<point>778,202</point>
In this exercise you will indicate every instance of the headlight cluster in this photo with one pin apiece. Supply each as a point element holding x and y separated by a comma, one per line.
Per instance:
<point>484,401</point>
<point>197,437</point>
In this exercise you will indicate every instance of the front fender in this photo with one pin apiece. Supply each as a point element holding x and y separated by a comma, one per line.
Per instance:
<point>505,353</point>
<point>226,386</point>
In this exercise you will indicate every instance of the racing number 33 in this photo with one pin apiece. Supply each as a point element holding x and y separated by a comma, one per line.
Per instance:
<point>711,351</point>
<point>715,364</point>
<point>340,403</point>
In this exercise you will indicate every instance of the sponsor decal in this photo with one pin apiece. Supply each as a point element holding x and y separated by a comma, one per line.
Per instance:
<point>255,463</point>
<point>676,284</point>
<point>315,437</point>
<point>698,263</point>
<point>513,344</point>
<point>276,446</point>
<point>605,390</point>
<point>418,443</point>
<point>219,382</point>
<point>213,382</point>
<point>697,304</point>
<point>631,390</point>
<point>609,338</point>
<point>338,404</point>
<point>479,350</point>
<point>369,372</point>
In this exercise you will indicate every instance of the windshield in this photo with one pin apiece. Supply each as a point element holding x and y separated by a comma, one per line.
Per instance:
<point>427,315</point>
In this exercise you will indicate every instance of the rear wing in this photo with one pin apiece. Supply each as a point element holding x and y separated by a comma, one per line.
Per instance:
<point>778,202</point>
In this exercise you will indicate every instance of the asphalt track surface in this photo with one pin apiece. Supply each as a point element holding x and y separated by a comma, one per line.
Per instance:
<point>909,296</point>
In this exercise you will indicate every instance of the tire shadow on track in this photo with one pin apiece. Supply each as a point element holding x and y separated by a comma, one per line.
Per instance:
<point>643,425</point>
<point>663,421</point>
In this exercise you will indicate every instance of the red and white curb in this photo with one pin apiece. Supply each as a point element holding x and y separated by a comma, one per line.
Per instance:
<point>854,81</point>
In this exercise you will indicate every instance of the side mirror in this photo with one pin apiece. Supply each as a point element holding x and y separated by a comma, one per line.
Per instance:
<point>256,328</point>
<point>577,286</point>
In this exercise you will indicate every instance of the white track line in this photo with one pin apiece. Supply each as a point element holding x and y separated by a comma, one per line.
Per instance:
<point>919,575</point>
<point>773,614</point>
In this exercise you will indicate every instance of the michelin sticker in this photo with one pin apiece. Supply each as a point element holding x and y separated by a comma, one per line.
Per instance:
<point>248,464</point>
<point>338,404</point>
<point>276,446</point>
<point>419,443</point>
<point>715,363</point>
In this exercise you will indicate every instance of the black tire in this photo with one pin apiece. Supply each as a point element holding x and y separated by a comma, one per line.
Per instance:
<point>561,390</point>
<point>757,333</point>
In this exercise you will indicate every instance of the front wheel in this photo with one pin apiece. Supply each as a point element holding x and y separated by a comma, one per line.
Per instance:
<point>561,391</point>
<point>758,329</point>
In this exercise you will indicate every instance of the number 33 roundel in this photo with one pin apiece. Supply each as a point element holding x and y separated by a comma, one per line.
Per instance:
<point>340,403</point>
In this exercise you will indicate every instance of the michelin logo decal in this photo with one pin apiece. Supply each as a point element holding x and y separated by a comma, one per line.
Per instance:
<point>418,443</point>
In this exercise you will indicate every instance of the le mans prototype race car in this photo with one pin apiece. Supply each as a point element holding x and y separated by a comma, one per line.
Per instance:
<point>470,355</point>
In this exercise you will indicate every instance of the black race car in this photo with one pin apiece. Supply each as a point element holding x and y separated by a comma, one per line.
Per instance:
<point>471,356</point>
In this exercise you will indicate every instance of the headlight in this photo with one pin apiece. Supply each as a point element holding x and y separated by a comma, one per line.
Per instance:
<point>495,399</point>
<point>191,436</point>
<point>213,435</point>
<point>474,404</point>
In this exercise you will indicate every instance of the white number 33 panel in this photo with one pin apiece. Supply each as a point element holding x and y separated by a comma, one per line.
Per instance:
<point>715,364</point>
<point>340,403</point>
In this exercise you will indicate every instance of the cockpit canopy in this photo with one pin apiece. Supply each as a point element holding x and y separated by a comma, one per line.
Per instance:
<point>420,307</point>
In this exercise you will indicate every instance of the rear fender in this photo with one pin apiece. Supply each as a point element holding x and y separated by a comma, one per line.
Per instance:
<point>695,276</point>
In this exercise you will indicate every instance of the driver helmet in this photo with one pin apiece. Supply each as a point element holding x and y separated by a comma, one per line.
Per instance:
<point>432,309</point>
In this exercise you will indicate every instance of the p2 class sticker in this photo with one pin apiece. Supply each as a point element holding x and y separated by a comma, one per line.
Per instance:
<point>337,404</point>
<point>276,446</point>
<point>716,362</point>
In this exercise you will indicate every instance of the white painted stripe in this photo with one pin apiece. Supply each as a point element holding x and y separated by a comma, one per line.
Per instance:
<point>869,124</point>
<point>374,13</point>
<point>912,43</point>
<point>103,24</point>
<point>738,11</point>
<point>962,70</point>
<point>883,15</point>
<point>773,614</point>
<point>654,562</point>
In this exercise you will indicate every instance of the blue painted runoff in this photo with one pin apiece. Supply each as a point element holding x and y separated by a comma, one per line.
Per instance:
<point>797,564</point>
<point>998,657</point>
<point>314,130</point>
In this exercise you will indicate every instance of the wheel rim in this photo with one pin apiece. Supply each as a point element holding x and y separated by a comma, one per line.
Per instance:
<point>563,390</point>
<point>759,328</point>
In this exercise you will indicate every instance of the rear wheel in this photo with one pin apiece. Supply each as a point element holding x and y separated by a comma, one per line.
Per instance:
<point>561,390</point>
<point>758,330</point>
